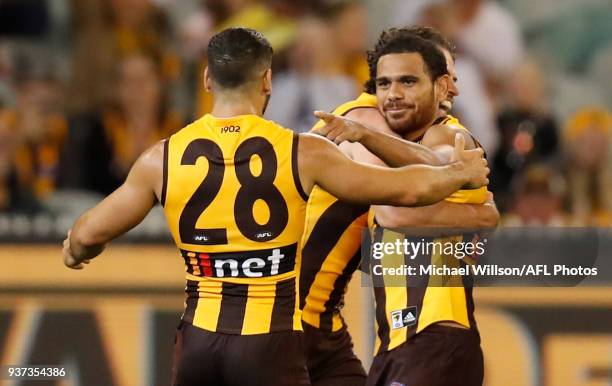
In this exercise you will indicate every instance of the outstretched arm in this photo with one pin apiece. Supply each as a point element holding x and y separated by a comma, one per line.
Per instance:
<point>363,126</point>
<point>123,209</point>
<point>320,162</point>
<point>442,214</point>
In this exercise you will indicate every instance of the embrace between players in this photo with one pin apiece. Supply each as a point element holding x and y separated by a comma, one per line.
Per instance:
<point>269,222</point>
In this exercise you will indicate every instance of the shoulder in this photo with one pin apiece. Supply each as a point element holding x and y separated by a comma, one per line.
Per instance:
<point>151,161</point>
<point>370,116</point>
<point>444,133</point>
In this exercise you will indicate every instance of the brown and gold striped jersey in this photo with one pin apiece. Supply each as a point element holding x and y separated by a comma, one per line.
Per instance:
<point>236,209</point>
<point>331,251</point>
<point>402,309</point>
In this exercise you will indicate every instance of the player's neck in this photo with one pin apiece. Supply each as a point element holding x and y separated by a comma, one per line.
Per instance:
<point>441,114</point>
<point>231,106</point>
<point>416,134</point>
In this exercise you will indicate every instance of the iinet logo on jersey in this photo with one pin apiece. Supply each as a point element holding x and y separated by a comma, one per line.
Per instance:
<point>248,264</point>
<point>252,267</point>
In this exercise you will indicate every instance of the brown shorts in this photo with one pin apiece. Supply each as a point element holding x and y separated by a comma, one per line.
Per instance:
<point>204,358</point>
<point>330,358</point>
<point>437,356</point>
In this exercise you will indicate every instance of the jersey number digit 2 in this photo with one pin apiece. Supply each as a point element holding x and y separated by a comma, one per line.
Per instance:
<point>252,188</point>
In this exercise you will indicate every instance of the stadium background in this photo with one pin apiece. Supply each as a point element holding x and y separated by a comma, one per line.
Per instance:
<point>86,85</point>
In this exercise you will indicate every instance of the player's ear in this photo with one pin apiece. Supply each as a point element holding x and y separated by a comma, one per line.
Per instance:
<point>207,80</point>
<point>441,87</point>
<point>267,82</point>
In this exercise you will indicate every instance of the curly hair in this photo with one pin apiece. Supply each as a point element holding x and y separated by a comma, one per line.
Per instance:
<point>399,41</point>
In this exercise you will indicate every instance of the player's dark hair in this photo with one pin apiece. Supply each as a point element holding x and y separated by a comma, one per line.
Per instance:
<point>237,55</point>
<point>399,41</point>
<point>434,36</point>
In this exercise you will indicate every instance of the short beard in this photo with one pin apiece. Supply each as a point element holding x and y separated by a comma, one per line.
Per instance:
<point>418,122</point>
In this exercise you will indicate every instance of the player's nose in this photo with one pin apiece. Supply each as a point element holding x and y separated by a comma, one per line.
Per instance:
<point>395,92</point>
<point>453,90</point>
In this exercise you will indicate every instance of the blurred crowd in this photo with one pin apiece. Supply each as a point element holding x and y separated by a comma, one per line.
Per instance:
<point>87,85</point>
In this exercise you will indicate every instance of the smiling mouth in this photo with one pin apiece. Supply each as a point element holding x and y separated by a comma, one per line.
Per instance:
<point>446,105</point>
<point>397,109</point>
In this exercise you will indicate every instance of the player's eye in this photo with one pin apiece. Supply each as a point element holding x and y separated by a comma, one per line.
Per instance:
<point>382,83</point>
<point>408,82</point>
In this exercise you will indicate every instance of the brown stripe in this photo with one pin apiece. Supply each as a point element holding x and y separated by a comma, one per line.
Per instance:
<point>178,350</point>
<point>233,304</point>
<point>324,236</point>
<point>380,298</point>
<point>284,306</point>
<point>440,120</point>
<point>336,298</point>
<point>165,174</point>
<point>294,167</point>
<point>191,292</point>
<point>468,284</point>
<point>6,318</point>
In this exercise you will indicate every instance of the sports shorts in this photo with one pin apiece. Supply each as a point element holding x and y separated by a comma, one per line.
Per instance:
<point>436,356</point>
<point>203,358</point>
<point>330,358</point>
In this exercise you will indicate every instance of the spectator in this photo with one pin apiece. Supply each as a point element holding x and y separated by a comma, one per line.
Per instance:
<point>32,137</point>
<point>589,164</point>
<point>116,29</point>
<point>538,199</point>
<point>315,80</point>
<point>137,118</point>
<point>491,35</point>
<point>528,130</point>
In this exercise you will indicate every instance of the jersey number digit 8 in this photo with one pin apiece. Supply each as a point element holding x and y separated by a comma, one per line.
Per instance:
<point>252,188</point>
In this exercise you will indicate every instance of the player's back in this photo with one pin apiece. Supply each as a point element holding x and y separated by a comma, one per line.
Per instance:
<point>235,207</point>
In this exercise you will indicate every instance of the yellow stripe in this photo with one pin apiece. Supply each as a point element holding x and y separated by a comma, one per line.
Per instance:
<point>396,289</point>
<point>363,101</point>
<point>258,311</point>
<point>297,313</point>
<point>377,341</point>
<point>469,196</point>
<point>396,299</point>
<point>337,322</point>
<point>444,298</point>
<point>209,305</point>
<point>244,280</point>
<point>331,269</point>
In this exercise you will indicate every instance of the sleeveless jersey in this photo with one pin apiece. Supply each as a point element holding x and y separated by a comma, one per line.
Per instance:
<point>331,252</point>
<point>235,208</point>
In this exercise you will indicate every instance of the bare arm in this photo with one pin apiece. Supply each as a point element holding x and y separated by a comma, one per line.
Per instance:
<point>443,214</point>
<point>123,209</point>
<point>441,138</point>
<point>321,163</point>
<point>368,127</point>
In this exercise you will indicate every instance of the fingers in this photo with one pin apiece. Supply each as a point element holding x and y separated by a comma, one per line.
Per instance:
<point>327,117</point>
<point>459,143</point>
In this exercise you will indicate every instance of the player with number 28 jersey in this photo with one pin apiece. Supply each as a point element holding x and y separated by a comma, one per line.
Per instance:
<point>236,213</point>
